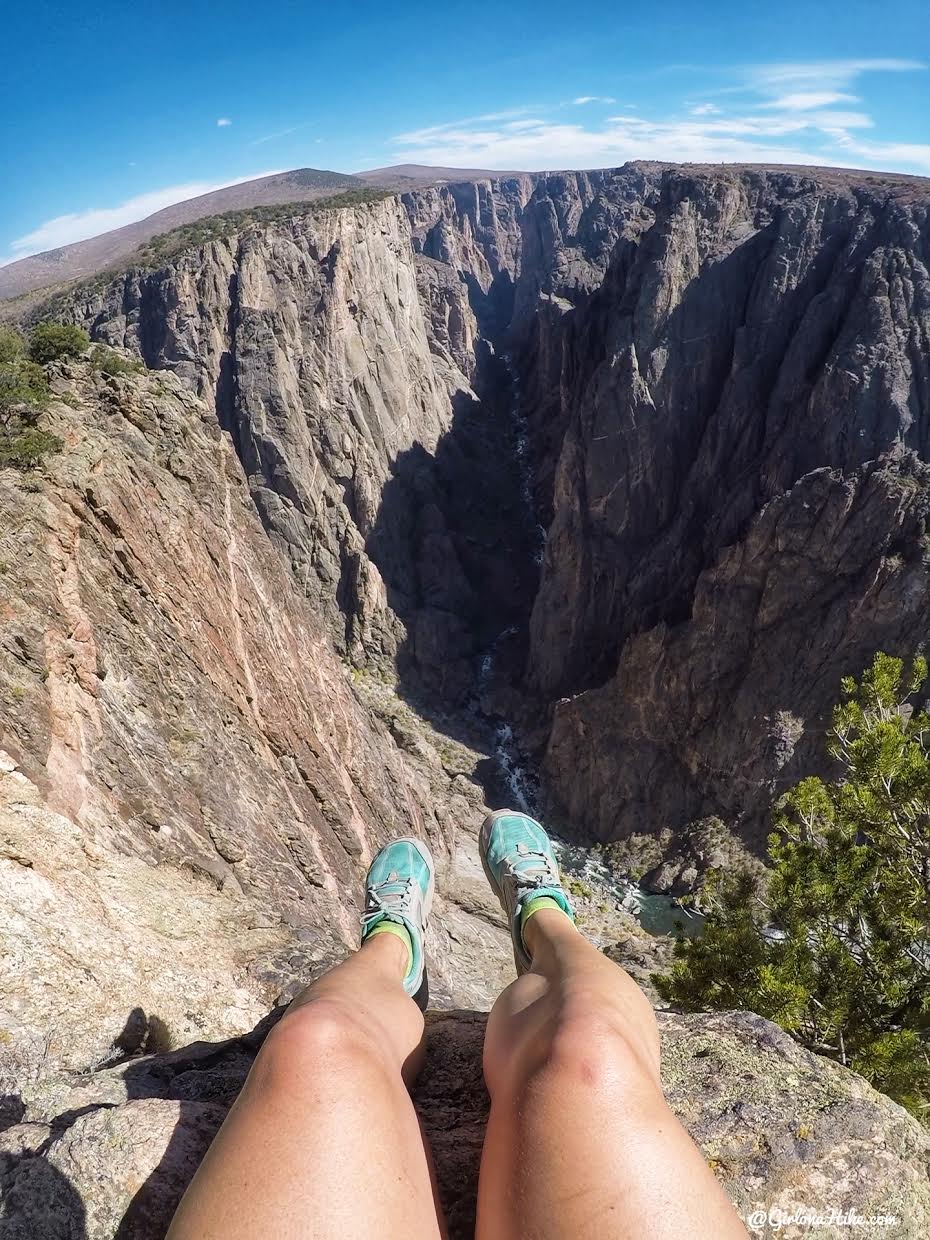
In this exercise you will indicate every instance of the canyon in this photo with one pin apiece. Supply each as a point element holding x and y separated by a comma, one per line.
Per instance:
<point>606,476</point>
<point>724,378</point>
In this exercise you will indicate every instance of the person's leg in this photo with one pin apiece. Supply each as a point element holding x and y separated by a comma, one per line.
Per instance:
<point>580,1140</point>
<point>324,1141</point>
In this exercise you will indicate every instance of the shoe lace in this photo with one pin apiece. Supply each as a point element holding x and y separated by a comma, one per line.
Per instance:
<point>391,896</point>
<point>533,868</point>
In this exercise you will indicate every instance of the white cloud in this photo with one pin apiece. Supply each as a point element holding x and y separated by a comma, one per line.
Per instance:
<point>280,133</point>
<point>223,122</point>
<point>551,146</point>
<point>582,99</point>
<point>804,100</point>
<point>818,75</point>
<point>79,225</point>
<point>888,155</point>
<point>790,116</point>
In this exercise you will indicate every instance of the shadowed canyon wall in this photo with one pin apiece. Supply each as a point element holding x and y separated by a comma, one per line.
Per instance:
<point>725,378</point>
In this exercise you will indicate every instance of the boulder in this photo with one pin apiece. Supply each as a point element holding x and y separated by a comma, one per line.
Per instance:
<point>786,1132</point>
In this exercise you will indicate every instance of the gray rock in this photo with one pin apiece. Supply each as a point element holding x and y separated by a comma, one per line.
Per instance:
<point>734,526</point>
<point>781,1129</point>
<point>691,344</point>
<point>244,609</point>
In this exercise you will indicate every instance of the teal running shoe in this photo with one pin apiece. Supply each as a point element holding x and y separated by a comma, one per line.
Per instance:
<point>518,859</point>
<point>399,888</point>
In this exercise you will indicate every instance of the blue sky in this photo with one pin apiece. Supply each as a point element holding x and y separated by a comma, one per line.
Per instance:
<point>115,110</point>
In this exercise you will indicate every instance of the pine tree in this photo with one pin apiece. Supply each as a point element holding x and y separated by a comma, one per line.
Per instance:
<point>834,944</point>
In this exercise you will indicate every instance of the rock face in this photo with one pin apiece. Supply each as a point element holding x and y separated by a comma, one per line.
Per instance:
<point>783,1131</point>
<point>251,615</point>
<point>311,339</point>
<point>827,573</point>
<point>185,758</point>
<point>344,354</point>
<point>743,399</point>
<point>689,346</point>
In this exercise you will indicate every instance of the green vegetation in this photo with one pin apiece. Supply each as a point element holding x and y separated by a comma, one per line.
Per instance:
<point>24,388</point>
<point>12,346</point>
<point>21,383</point>
<point>50,341</point>
<point>109,362</point>
<point>578,888</point>
<point>169,245</point>
<point>27,448</point>
<point>835,944</point>
<point>23,396</point>
<point>320,178</point>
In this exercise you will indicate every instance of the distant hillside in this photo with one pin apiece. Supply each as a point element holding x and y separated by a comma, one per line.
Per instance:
<point>60,267</point>
<point>412,176</point>
<point>86,257</point>
<point>55,301</point>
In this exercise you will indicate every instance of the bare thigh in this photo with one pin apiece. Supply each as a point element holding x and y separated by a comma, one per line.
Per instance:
<point>580,1140</point>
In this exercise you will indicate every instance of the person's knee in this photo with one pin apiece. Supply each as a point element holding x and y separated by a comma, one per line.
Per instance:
<point>591,1047</point>
<point>319,1036</point>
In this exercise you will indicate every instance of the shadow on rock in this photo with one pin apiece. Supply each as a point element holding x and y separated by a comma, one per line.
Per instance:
<point>452,1103</point>
<point>192,1089</point>
<point>744,1089</point>
<point>115,1166</point>
<point>41,1203</point>
<point>37,1199</point>
<point>12,1110</point>
<point>177,1102</point>
<point>455,542</point>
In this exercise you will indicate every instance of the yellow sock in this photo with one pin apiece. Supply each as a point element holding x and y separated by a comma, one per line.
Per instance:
<point>393,927</point>
<point>533,906</point>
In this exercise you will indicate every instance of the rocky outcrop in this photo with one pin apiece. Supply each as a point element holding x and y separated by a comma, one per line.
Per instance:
<point>827,573</point>
<point>311,339</point>
<point>701,575</point>
<point>689,346</point>
<point>347,353</point>
<point>186,761</point>
<point>784,1132</point>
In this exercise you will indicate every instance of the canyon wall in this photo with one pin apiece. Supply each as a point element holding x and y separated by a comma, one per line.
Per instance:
<point>740,494</point>
<point>689,348</point>
<point>276,596</point>
<point>187,763</point>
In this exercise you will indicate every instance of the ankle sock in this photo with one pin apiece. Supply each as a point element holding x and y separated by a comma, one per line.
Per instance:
<point>533,906</point>
<point>394,927</point>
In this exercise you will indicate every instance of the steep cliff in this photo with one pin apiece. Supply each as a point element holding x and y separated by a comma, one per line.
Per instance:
<point>192,761</point>
<point>311,339</point>
<point>688,346</point>
<point>725,374</point>
<point>739,496</point>
<point>271,602</point>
